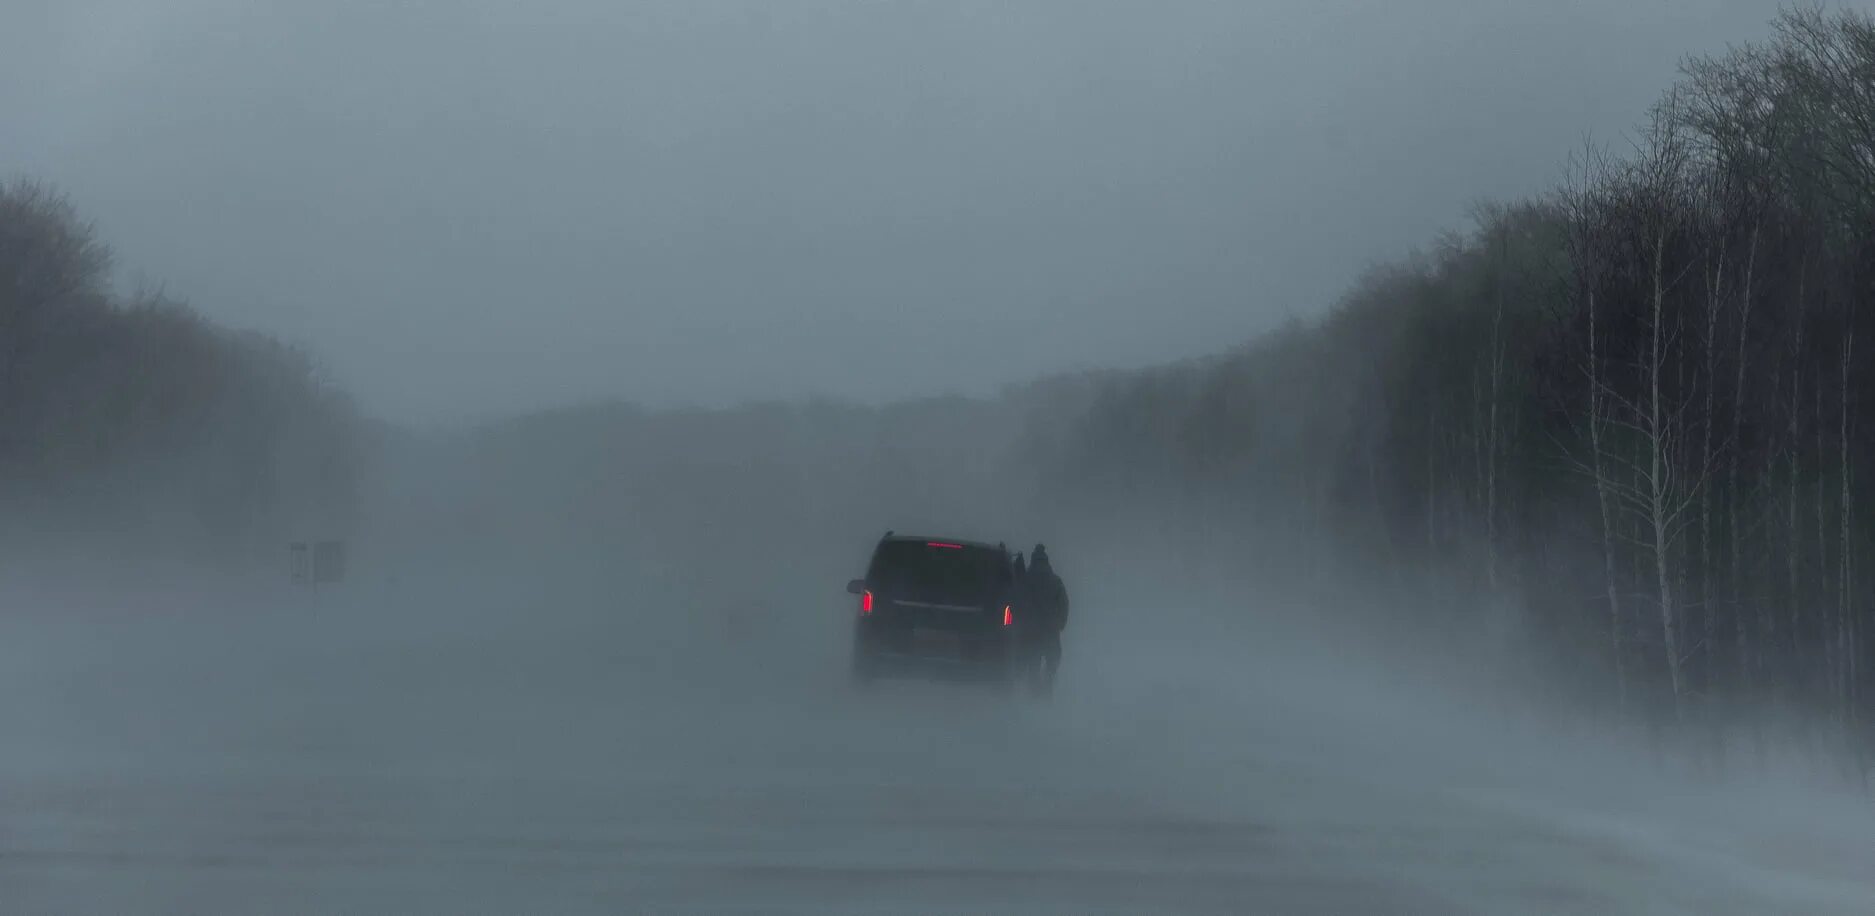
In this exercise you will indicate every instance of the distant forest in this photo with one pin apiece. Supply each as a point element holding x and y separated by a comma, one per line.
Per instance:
<point>1624,427</point>
<point>137,420</point>
<point>1633,417</point>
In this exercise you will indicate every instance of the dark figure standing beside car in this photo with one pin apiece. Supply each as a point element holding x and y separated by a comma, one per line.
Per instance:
<point>1044,604</point>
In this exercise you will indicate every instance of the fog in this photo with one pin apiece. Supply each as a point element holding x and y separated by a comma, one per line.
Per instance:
<point>545,711</point>
<point>472,208</point>
<point>489,745</point>
<point>609,340</point>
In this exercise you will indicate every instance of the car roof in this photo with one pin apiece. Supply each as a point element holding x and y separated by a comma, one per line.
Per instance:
<point>926,539</point>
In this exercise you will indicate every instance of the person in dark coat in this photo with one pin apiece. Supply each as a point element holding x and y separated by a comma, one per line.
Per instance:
<point>1045,599</point>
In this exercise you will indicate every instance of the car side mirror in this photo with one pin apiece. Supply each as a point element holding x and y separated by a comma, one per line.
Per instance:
<point>856,586</point>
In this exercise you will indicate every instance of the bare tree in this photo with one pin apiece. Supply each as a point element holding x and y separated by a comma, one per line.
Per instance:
<point>1747,661</point>
<point>1585,228</point>
<point>1665,494</point>
<point>1714,297</point>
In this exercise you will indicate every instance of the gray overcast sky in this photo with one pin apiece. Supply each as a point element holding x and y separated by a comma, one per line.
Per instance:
<point>473,207</point>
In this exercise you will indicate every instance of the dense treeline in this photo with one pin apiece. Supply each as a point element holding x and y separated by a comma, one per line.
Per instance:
<point>1633,416</point>
<point>140,421</point>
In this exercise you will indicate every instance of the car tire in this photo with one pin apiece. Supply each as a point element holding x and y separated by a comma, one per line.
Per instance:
<point>1005,677</point>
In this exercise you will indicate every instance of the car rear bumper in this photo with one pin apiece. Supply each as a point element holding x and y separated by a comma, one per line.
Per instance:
<point>890,649</point>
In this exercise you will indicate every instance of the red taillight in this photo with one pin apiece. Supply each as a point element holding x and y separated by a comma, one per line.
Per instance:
<point>865,602</point>
<point>944,545</point>
<point>1009,617</point>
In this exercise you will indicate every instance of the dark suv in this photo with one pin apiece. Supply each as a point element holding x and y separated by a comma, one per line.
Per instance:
<point>934,606</point>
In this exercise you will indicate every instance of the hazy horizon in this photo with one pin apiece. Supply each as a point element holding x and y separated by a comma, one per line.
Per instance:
<point>917,199</point>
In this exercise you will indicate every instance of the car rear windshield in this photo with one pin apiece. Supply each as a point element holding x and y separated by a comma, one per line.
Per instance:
<point>937,570</point>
